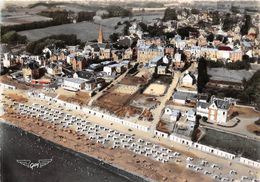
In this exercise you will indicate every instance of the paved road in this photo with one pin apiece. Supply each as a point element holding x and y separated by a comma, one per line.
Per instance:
<point>175,83</point>
<point>158,111</point>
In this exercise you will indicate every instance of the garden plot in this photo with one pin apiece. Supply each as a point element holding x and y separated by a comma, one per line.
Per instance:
<point>155,89</point>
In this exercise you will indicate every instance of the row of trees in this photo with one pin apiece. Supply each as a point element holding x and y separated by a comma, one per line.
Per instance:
<point>238,65</point>
<point>58,18</point>
<point>116,11</point>
<point>85,16</point>
<point>203,76</point>
<point>60,41</point>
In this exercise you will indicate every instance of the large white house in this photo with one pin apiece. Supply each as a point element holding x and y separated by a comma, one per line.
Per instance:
<point>217,110</point>
<point>73,84</point>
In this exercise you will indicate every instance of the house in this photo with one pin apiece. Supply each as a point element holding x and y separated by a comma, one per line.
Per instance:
<point>184,98</point>
<point>173,113</point>
<point>94,84</point>
<point>202,108</point>
<point>178,42</point>
<point>105,52</point>
<point>145,53</point>
<point>169,50</point>
<point>161,70</point>
<point>128,54</point>
<point>155,61</point>
<point>188,80</point>
<point>178,63</point>
<point>219,110</point>
<point>32,70</point>
<point>110,70</point>
<point>73,84</point>
<point>191,115</point>
<point>54,69</point>
<point>135,29</point>
<point>9,60</point>
<point>79,63</point>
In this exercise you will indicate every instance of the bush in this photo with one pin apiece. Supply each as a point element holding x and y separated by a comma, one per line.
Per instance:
<point>215,64</point>
<point>85,16</point>
<point>13,38</point>
<point>169,14</point>
<point>238,65</point>
<point>257,122</point>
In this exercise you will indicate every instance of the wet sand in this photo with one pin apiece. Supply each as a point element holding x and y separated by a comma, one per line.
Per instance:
<point>66,165</point>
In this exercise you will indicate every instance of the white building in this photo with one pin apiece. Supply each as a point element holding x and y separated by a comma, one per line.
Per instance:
<point>188,80</point>
<point>110,69</point>
<point>202,109</point>
<point>73,84</point>
<point>191,115</point>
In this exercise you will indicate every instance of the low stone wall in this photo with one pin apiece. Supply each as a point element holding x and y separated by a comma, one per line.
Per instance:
<point>161,134</point>
<point>214,151</point>
<point>6,86</point>
<point>91,111</point>
<point>171,137</point>
<point>249,162</point>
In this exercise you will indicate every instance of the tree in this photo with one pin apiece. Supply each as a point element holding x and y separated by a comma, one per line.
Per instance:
<point>195,11</point>
<point>228,22</point>
<point>234,10</point>
<point>203,77</point>
<point>13,38</point>
<point>247,23</point>
<point>143,26</point>
<point>169,14</point>
<point>215,18</point>
<point>59,41</point>
<point>155,30</point>
<point>126,28</point>
<point>114,37</point>
<point>185,31</point>
<point>210,37</point>
<point>85,16</point>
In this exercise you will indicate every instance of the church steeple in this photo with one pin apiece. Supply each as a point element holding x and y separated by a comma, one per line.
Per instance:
<point>100,35</point>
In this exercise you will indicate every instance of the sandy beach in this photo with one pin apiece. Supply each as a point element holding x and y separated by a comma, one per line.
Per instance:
<point>120,158</point>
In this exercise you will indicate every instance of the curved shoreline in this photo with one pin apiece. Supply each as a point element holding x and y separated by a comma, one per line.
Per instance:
<point>90,158</point>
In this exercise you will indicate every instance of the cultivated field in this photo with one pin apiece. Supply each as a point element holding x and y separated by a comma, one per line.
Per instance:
<point>20,19</point>
<point>85,31</point>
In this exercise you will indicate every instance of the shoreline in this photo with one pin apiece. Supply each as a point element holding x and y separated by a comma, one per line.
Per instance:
<point>121,159</point>
<point>92,159</point>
